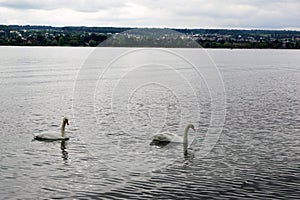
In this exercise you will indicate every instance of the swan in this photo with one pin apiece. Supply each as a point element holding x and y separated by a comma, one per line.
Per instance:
<point>167,137</point>
<point>51,136</point>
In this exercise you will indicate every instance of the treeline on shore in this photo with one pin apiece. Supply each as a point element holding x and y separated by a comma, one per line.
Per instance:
<point>16,35</point>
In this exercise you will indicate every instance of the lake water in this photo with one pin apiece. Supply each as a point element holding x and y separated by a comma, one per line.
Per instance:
<point>245,105</point>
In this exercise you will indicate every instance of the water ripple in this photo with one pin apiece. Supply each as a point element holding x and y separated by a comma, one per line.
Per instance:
<point>256,157</point>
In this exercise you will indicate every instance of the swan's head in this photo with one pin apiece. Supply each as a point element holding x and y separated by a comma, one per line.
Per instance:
<point>65,121</point>
<point>191,126</point>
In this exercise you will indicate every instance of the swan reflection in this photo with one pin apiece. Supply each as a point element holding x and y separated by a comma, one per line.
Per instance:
<point>63,148</point>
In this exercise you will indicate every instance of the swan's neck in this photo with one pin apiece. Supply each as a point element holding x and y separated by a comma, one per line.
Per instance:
<point>185,140</point>
<point>63,129</point>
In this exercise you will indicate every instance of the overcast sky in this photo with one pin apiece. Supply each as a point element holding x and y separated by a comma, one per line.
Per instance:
<point>245,14</point>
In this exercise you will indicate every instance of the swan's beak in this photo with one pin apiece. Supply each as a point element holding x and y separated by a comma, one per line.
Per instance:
<point>194,129</point>
<point>68,123</point>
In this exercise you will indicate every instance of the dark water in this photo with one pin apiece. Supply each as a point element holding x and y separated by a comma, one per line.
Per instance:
<point>247,119</point>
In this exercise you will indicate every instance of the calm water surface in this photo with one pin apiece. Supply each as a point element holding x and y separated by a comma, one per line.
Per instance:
<point>116,105</point>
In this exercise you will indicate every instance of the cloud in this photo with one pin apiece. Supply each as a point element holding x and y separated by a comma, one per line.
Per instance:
<point>76,5</point>
<point>276,14</point>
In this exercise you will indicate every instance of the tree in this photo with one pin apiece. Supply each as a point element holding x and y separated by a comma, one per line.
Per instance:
<point>92,43</point>
<point>61,41</point>
<point>74,43</point>
<point>54,42</point>
<point>298,44</point>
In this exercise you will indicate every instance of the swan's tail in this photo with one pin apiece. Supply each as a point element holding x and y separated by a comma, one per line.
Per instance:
<point>34,135</point>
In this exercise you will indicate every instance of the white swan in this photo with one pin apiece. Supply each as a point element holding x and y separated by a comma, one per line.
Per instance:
<point>51,136</point>
<point>167,137</point>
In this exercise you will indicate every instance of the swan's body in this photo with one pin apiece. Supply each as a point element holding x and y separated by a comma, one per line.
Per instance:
<point>52,136</point>
<point>167,137</point>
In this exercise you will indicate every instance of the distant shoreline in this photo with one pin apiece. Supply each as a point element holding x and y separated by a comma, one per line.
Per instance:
<point>16,35</point>
<point>234,48</point>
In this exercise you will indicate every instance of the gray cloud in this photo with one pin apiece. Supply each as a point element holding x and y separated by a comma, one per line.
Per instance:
<point>276,14</point>
<point>77,5</point>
